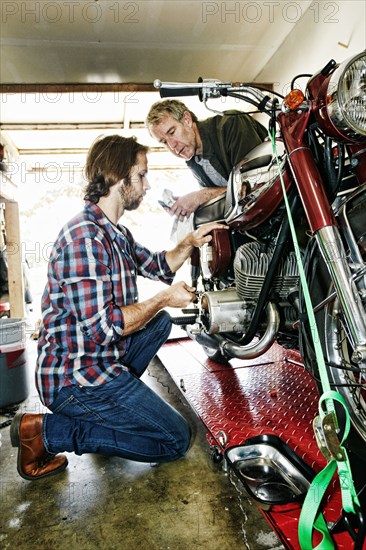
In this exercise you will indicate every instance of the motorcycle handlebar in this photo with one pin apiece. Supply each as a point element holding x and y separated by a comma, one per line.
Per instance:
<point>212,89</point>
<point>209,88</point>
<point>173,89</point>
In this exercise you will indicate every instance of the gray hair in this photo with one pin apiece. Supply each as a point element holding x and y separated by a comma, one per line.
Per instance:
<point>172,107</point>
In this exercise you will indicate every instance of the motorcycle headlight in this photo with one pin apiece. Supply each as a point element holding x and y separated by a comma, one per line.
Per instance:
<point>346,97</point>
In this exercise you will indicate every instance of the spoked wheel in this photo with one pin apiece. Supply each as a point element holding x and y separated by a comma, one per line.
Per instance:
<point>345,375</point>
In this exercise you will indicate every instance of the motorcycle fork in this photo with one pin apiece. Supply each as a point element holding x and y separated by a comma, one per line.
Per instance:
<point>332,250</point>
<point>323,225</point>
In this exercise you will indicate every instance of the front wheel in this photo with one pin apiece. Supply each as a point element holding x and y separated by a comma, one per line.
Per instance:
<point>344,373</point>
<point>345,376</point>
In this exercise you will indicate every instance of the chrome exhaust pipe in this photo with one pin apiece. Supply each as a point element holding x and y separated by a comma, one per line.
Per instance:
<point>231,349</point>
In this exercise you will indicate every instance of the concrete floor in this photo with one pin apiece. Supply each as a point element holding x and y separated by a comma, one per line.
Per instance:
<point>111,503</point>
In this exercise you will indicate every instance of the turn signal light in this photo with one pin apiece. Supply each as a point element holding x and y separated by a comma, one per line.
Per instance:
<point>294,99</point>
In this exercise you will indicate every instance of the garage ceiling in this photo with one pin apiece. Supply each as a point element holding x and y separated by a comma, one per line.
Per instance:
<point>138,41</point>
<point>119,42</point>
<point>71,70</point>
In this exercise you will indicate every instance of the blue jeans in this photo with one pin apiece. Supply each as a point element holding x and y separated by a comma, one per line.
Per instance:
<point>123,417</point>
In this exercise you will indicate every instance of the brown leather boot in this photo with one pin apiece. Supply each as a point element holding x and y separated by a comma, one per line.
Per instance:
<point>34,462</point>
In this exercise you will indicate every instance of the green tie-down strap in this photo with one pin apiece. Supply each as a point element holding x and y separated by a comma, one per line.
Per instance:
<point>325,426</point>
<point>310,517</point>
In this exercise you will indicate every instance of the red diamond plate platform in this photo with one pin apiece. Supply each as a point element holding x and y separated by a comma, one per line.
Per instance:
<point>272,394</point>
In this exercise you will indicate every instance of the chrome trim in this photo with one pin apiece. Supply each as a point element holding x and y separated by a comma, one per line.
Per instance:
<point>337,112</point>
<point>332,250</point>
<point>254,349</point>
<point>298,149</point>
<point>231,349</point>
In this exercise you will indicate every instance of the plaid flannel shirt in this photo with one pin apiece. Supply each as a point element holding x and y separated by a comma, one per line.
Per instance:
<point>92,273</point>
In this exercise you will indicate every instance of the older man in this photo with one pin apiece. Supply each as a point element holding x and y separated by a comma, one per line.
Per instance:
<point>211,147</point>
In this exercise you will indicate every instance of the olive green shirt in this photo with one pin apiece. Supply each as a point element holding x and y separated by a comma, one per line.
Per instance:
<point>226,140</point>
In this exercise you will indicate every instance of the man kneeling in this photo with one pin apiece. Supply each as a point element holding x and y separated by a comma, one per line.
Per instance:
<point>96,338</point>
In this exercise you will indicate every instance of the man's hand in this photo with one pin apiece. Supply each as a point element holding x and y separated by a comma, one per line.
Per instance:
<point>184,248</point>
<point>185,205</point>
<point>179,295</point>
<point>201,235</point>
<point>135,316</point>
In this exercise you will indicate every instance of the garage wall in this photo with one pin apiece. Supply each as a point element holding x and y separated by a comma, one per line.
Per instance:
<point>316,39</point>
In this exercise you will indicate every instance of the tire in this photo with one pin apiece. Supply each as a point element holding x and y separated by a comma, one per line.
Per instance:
<point>344,375</point>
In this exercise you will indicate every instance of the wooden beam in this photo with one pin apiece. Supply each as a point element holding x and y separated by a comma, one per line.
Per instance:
<point>7,188</point>
<point>72,151</point>
<point>63,88</point>
<point>14,254</point>
<point>32,126</point>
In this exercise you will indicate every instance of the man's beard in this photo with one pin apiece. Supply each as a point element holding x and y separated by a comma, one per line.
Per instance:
<point>130,201</point>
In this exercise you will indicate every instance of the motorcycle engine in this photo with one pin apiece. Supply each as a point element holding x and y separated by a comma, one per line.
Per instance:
<point>224,311</point>
<point>231,309</point>
<point>251,265</point>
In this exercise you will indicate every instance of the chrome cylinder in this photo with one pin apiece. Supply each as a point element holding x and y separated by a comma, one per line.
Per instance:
<point>231,349</point>
<point>332,250</point>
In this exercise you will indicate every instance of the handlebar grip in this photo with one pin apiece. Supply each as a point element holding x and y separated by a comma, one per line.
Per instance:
<point>176,90</point>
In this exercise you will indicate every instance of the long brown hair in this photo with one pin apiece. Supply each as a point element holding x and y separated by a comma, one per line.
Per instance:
<point>109,161</point>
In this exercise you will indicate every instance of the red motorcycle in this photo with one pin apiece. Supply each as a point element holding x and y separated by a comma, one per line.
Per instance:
<point>250,292</point>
